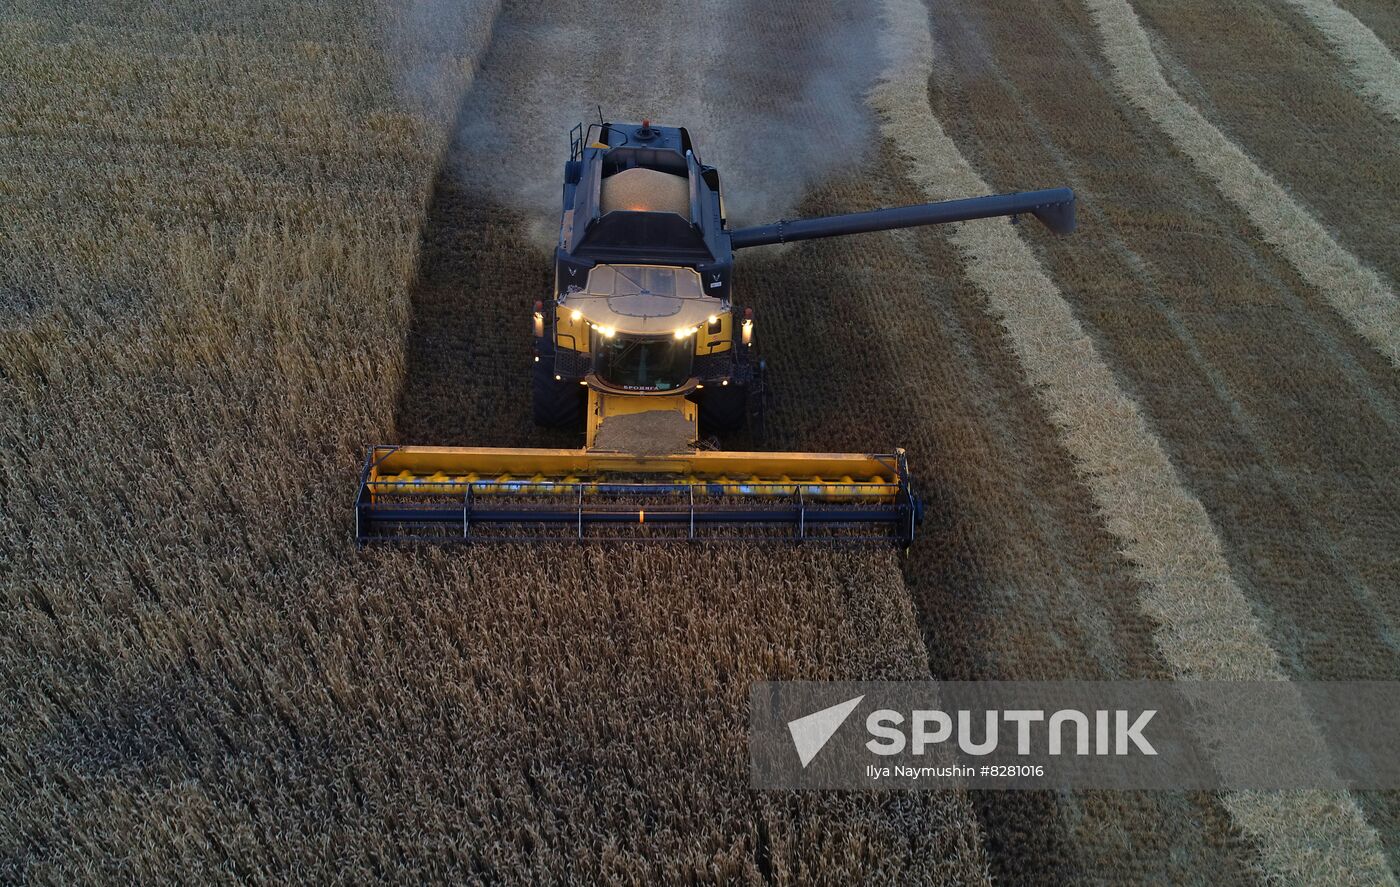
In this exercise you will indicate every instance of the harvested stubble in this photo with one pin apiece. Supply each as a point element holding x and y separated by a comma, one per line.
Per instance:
<point>1371,62</point>
<point>1278,417</point>
<point>1205,626</point>
<point>1379,17</point>
<point>1292,109</point>
<point>1363,297</point>
<point>202,680</point>
<point>1281,421</point>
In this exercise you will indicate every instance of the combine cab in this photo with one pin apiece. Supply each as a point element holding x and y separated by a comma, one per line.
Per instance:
<point>642,347</point>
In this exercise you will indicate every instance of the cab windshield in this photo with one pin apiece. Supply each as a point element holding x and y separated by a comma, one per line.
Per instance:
<point>652,364</point>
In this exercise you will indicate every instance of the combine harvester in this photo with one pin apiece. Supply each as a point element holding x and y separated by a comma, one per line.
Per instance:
<point>641,345</point>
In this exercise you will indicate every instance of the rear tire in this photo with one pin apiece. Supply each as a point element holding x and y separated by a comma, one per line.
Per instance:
<point>557,404</point>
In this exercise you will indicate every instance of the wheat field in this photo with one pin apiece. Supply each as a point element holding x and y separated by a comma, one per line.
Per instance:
<point>241,243</point>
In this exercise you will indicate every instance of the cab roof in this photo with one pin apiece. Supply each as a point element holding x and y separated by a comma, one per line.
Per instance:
<point>642,300</point>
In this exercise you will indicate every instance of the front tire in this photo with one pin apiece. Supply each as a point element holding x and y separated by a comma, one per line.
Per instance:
<point>758,403</point>
<point>723,408</point>
<point>557,404</point>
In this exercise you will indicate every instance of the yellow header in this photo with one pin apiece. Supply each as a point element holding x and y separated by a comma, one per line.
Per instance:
<point>705,464</point>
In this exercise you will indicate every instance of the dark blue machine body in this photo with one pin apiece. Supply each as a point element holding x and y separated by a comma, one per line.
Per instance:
<point>703,241</point>
<point>588,236</point>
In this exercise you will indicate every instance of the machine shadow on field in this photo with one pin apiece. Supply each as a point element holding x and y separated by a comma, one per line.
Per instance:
<point>833,387</point>
<point>466,379</point>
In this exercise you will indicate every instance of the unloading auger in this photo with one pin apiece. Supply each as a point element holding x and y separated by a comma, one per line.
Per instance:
<point>642,347</point>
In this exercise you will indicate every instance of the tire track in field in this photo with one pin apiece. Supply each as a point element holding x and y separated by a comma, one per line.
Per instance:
<point>1355,290</point>
<point>1206,627</point>
<point>1371,61</point>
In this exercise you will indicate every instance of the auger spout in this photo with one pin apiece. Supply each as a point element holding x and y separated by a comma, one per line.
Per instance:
<point>1054,207</point>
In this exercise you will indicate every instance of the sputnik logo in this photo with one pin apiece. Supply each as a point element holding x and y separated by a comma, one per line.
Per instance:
<point>811,732</point>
